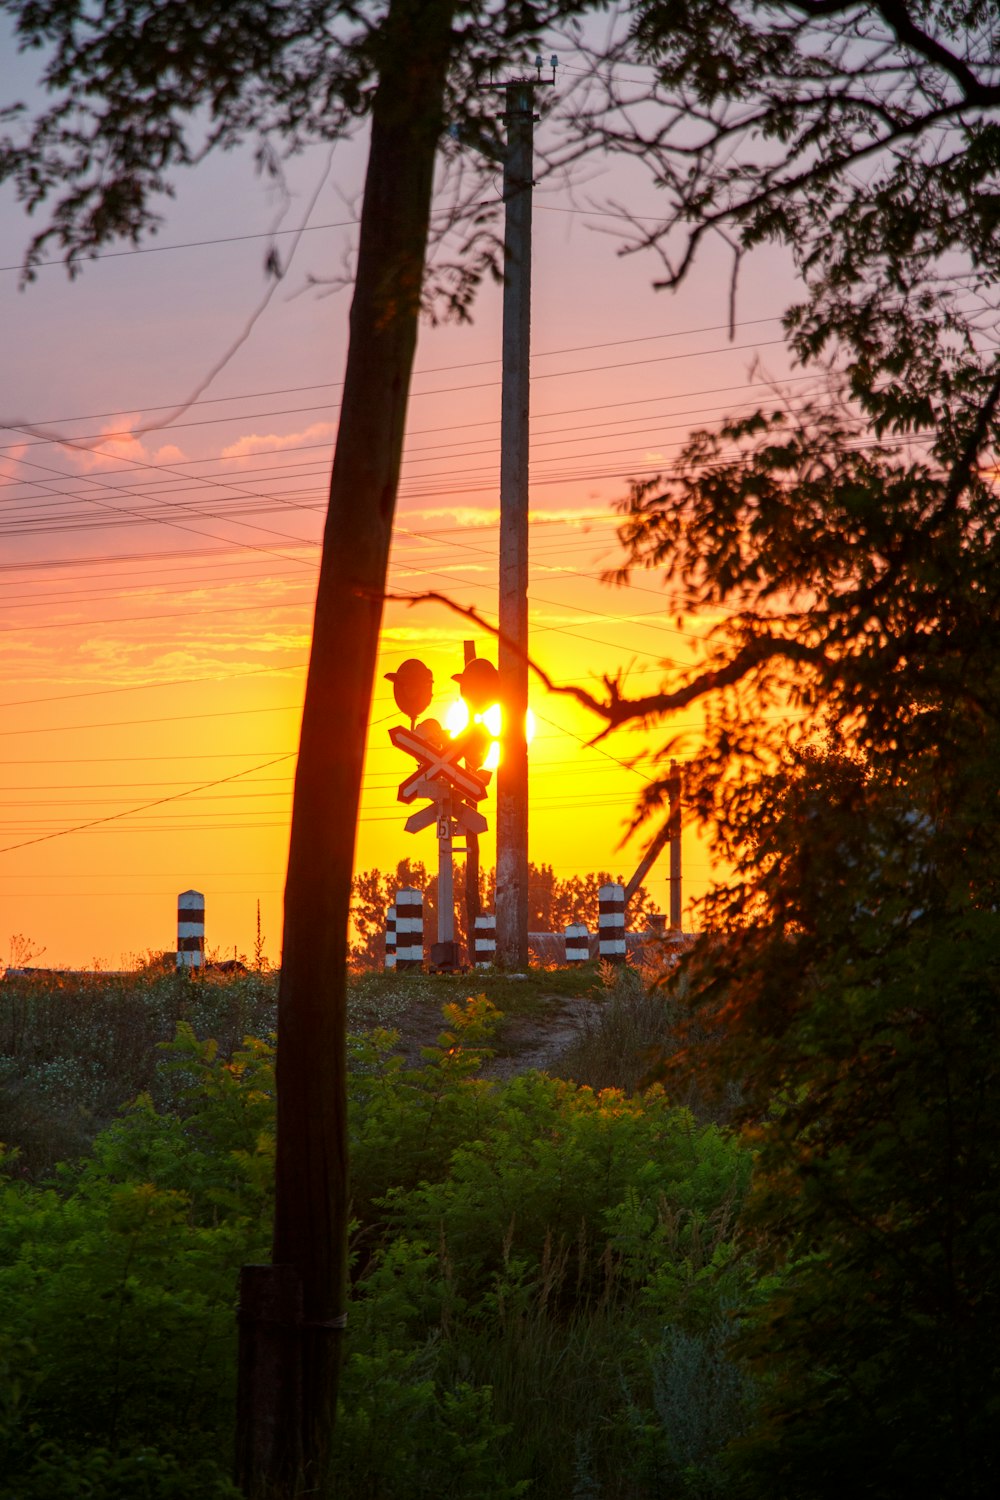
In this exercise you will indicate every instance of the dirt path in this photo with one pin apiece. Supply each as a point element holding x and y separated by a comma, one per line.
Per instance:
<point>532,1042</point>
<point>524,1043</point>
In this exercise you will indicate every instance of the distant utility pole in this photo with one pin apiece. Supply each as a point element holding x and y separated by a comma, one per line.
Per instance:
<point>670,832</point>
<point>512,776</point>
<point>675,786</point>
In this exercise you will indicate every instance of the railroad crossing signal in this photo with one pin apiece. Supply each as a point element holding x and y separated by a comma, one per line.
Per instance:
<point>450,786</point>
<point>436,764</point>
<point>479,684</point>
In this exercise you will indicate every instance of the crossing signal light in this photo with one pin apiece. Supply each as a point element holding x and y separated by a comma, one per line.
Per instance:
<point>478,742</point>
<point>412,687</point>
<point>479,684</point>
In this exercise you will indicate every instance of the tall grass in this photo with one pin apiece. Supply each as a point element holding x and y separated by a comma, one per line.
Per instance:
<point>629,1032</point>
<point>75,1047</point>
<point>621,1030</point>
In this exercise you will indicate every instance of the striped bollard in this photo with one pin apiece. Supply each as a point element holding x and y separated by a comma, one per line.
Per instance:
<point>409,929</point>
<point>390,937</point>
<point>190,930</point>
<point>485,940</point>
<point>611,923</point>
<point>577,943</point>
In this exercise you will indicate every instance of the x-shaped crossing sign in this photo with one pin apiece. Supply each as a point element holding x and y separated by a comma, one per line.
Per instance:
<point>436,764</point>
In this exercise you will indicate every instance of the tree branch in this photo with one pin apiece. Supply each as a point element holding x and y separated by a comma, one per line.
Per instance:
<point>897,16</point>
<point>617,709</point>
<point>959,476</point>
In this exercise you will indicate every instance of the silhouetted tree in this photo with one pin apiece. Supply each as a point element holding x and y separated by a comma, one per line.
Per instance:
<point>845,549</point>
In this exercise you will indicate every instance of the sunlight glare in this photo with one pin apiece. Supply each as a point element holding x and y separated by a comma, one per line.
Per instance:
<point>493,719</point>
<point>457,717</point>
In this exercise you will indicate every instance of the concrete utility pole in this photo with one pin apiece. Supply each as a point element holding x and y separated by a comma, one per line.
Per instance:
<point>669,832</point>
<point>512,776</point>
<point>674,825</point>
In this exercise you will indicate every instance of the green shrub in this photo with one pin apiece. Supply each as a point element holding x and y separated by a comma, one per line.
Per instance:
<point>145,1474</point>
<point>402,1435</point>
<point>529,1260</point>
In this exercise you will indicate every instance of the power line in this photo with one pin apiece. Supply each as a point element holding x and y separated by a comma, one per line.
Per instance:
<point>227,239</point>
<point>428,486</point>
<point>174,614</point>
<point>231,713</point>
<point>551,437</point>
<point>113,817</point>
<point>269,234</point>
<point>603,406</point>
<point>438,390</point>
<point>589,519</point>
<point>139,687</point>
<point>118,760</point>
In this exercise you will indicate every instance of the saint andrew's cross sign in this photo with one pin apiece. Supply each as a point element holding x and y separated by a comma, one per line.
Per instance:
<point>436,764</point>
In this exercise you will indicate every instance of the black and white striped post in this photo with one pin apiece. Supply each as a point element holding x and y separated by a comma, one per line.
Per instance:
<point>577,943</point>
<point>611,923</point>
<point>190,930</point>
<point>390,937</point>
<point>409,929</point>
<point>485,940</point>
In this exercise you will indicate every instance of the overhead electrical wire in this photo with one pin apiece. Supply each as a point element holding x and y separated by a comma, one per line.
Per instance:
<point>140,687</point>
<point>494,422</point>
<point>79,439</point>
<point>588,520</point>
<point>550,438</point>
<point>545,473</point>
<point>230,713</point>
<point>268,234</point>
<point>113,817</point>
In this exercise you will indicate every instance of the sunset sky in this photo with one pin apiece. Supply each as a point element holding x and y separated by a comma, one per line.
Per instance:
<point>157,585</point>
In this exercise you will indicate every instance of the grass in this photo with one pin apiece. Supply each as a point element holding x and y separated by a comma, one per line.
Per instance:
<point>75,1047</point>
<point>556,1345</point>
<point>386,994</point>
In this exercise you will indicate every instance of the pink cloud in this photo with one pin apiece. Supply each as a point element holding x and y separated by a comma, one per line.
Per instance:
<point>272,442</point>
<point>118,444</point>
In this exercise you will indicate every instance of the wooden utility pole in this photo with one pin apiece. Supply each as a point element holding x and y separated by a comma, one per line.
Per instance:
<point>293,1311</point>
<point>473,901</point>
<point>512,776</point>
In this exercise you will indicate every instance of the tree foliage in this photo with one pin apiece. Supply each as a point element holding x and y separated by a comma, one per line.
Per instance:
<point>843,551</point>
<point>142,89</point>
<point>850,992</point>
<point>864,138</point>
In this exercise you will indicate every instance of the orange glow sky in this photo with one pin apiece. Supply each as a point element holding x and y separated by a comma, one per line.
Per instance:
<point>157,590</point>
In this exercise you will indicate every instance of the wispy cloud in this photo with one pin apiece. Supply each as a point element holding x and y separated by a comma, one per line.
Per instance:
<point>488,516</point>
<point>272,442</point>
